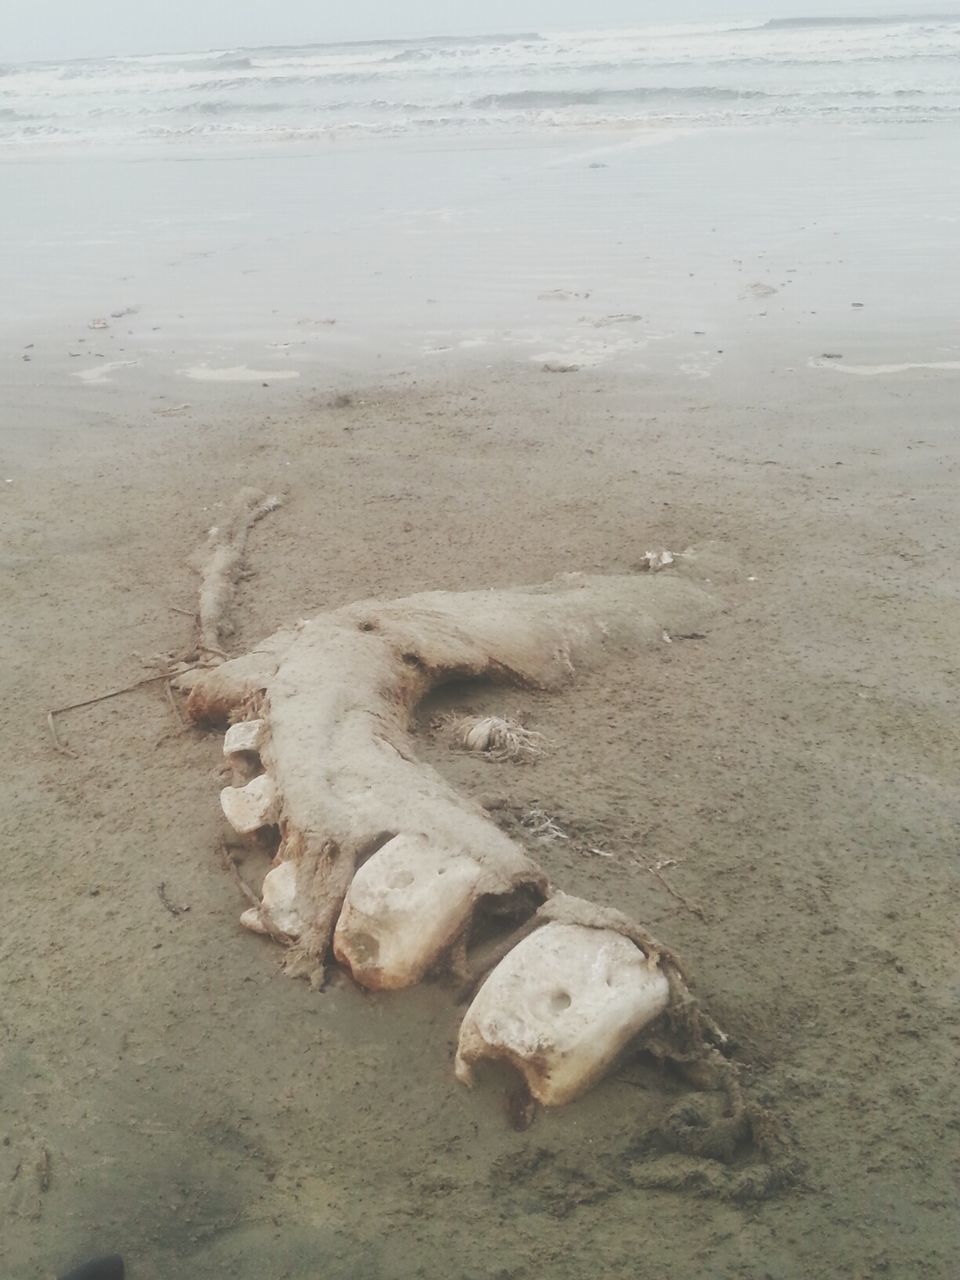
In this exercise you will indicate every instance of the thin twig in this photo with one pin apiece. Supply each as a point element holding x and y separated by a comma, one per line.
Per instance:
<point>170,906</point>
<point>692,907</point>
<point>174,705</point>
<point>104,697</point>
<point>187,613</point>
<point>214,649</point>
<point>114,693</point>
<point>230,866</point>
<point>64,750</point>
<point>266,923</point>
<point>43,1169</point>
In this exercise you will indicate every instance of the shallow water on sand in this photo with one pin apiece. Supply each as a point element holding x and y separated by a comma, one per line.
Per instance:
<point>689,256</point>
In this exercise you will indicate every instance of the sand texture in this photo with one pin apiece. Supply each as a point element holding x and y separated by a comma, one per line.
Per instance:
<point>774,795</point>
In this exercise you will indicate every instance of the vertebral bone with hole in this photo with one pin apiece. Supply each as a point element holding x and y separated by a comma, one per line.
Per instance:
<point>382,860</point>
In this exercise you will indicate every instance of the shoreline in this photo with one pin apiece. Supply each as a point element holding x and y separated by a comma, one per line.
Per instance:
<point>351,266</point>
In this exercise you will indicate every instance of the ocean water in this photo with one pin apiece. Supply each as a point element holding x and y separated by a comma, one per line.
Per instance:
<point>859,71</point>
<point>704,201</point>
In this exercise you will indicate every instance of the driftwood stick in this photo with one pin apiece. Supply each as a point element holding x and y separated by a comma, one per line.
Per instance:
<point>220,565</point>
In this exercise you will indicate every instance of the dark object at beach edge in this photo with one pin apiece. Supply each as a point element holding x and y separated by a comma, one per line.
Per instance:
<point>110,1268</point>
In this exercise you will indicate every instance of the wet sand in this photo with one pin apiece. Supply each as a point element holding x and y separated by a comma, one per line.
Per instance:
<point>726,252</point>
<point>168,1093</point>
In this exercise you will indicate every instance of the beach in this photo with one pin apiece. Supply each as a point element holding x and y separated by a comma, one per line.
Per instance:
<point>757,323</point>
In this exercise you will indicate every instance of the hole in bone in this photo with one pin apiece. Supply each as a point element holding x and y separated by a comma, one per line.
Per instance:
<point>367,626</point>
<point>412,659</point>
<point>559,1001</point>
<point>366,949</point>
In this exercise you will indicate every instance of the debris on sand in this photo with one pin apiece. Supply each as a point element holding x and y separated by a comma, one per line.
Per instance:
<point>654,561</point>
<point>560,295</point>
<point>539,823</point>
<point>621,317</point>
<point>761,290</point>
<point>552,367</point>
<point>495,737</point>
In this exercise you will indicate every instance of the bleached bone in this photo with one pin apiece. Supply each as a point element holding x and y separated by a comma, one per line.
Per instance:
<point>561,1007</point>
<point>220,560</point>
<point>251,807</point>
<point>243,737</point>
<point>338,692</point>
<point>277,913</point>
<point>407,906</point>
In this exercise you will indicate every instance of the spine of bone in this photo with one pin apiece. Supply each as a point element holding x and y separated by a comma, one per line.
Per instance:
<point>334,699</point>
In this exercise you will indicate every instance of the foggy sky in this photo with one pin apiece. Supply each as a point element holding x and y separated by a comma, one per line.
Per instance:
<point>86,28</point>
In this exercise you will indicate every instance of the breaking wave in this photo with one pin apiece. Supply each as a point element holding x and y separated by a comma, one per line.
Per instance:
<point>872,20</point>
<point>698,75</point>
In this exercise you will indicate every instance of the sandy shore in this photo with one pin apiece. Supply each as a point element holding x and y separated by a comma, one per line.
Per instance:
<point>169,1094</point>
